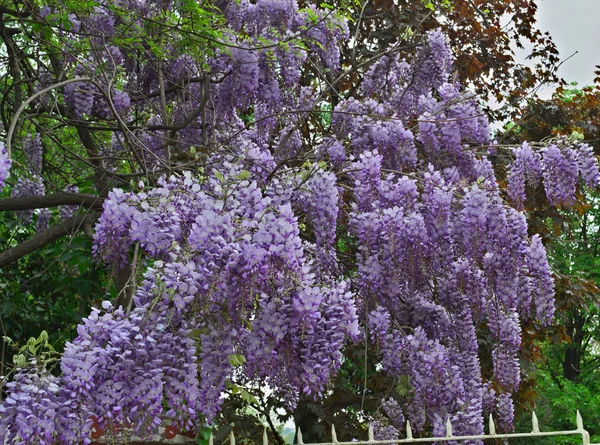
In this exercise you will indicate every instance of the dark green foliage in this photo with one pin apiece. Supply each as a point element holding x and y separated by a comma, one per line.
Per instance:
<point>556,407</point>
<point>51,289</point>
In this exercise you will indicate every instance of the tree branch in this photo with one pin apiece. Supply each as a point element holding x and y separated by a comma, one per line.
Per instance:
<point>278,437</point>
<point>22,106</point>
<point>54,200</point>
<point>67,227</point>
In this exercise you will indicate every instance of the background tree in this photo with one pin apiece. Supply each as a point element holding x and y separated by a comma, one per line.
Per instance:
<point>480,33</point>
<point>565,370</point>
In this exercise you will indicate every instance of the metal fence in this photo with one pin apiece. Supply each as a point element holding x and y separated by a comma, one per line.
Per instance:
<point>579,431</point>
<point>171,437</point>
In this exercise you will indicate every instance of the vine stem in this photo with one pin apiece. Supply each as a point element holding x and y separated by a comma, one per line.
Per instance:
<point>132,281</point>
<point>30,99</point>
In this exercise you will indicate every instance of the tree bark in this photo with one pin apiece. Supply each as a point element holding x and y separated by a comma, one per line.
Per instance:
<point>574,352</point>
<point>67,227</point>
<point>54,200</point>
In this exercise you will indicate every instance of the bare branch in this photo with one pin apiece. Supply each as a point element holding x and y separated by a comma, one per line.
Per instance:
<point>30,99</point>
<point>54,200</point>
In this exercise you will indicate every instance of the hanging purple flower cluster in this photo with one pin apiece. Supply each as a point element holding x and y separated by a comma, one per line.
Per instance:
<point>79,96</point>
<point>40,410</point>
<point>526,170</point>
<point>407,86</point>
<point>32,147</point>
<point>67,211</point>
<point>120,369</point>
<point>588,167</point>
<point>43,220</point>
<point>557,166</point>
<point>319,198</point>
<point>436,261</point>
<point>441,261</point>
<point>25,188</point>
<point>29,413</point>
<point>230,254</point>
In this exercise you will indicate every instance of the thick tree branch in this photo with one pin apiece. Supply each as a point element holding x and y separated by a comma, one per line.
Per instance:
<point>54,200</point>
<point>13,12</point>
<point>12,50</point>
<point>66,227</point>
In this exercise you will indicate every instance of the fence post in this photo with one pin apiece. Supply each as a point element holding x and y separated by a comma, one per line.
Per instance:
<point>333,434</point>
<point>585,436</point>
<point>408,430</point>
<point>492,426</point>
<point>448,428</point>
<point>534,423</point>
<point>492,434</point>
<point>300,436</point>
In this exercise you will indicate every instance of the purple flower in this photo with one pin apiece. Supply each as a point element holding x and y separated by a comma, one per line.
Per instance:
<point>25,188</point>
<point>4,165</point>
<point>588,165</point>
<point>68,211</point>
<point>32,147</point>
<point>560,170</point>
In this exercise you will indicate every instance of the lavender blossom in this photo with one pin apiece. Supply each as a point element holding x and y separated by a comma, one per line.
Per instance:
<point>4,165</point>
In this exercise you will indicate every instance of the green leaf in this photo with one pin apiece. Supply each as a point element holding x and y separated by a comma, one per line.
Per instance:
<point>19,360</point>
<point>66,22</point>
<point>204,434</point>
<point>429,5</point>
<point>237,360</point>
<point>247,397</point>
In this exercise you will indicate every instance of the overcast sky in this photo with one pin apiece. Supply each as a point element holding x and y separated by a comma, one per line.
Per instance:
<point>574,26</point>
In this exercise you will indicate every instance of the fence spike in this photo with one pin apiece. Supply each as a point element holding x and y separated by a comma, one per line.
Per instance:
<point>231,438</point>
<point>534,423</point>
<point>448,428</point>
<point>579,421</point>
<point>333,435</point>
<point>408,430</point>
<point>492,426</point>
<point>211,440</point>
<point>300,436</point>
<point>265,437</point>
<point>371,436</point>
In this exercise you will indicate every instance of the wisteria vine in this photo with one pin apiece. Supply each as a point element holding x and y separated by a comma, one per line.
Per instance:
<point>240,258</point>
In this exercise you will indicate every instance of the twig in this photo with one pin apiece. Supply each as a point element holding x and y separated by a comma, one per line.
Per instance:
<point>131,284</point>
<point>30,99</point>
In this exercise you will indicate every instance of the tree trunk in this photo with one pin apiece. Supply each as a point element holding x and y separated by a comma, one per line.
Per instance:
<point>574,352</point>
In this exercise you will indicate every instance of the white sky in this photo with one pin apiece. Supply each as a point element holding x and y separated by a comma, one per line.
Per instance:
<point>574,26</point>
